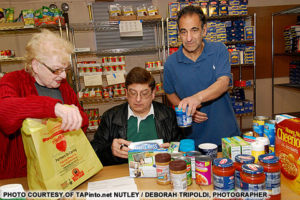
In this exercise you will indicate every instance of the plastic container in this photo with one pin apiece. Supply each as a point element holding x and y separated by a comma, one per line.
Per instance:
<point>223,174</point>
<point>178,175</point>
<point>162,161</point>
<point>266,143</point>
<point>258,149</point>
<point>239,161</point>
<point>186,145</point>
<point>271,167</point>
<point>252,177</point>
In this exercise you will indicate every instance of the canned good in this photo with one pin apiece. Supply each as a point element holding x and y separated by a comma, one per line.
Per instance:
<point>258,125</point>
<point>188,168</point>
<point>183,120</point>
<point>203,170</point>
<point>175,156</point>
<point>193,155</point>
<point>269,131</point>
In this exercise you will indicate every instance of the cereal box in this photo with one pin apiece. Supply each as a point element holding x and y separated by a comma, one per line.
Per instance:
<point>287,145</point>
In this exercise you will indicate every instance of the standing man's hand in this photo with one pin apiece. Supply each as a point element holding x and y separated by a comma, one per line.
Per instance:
<point>120,148</point>
<point>199,117</point>
<point>193,102</point>
<point>70,115</point>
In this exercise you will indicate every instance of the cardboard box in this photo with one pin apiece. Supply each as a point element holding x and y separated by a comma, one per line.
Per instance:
<point>287,145</point>
<point>230,148</point>
<point>245,146</point>
<point>142,162</point>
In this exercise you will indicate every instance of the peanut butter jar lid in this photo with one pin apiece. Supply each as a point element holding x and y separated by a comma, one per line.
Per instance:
<point>162,157</point>
<point>177,165</point>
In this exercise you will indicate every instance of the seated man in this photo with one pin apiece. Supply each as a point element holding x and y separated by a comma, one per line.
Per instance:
<point>138,120</point>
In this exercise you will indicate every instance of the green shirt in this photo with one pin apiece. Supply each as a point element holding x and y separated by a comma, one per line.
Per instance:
<point>147,129</point>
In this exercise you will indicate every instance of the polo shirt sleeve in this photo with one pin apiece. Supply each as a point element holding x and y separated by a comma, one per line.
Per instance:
<point>222,62</point>
<point>169,83</point>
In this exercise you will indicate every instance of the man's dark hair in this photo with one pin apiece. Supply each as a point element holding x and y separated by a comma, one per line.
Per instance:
<point>141,76</point>
<point>189,10</point>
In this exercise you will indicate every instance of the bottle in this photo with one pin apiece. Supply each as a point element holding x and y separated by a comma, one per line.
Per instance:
<point>178,175</point>
<point>252,177</point>
<point>239,161</point>
<point>162,161</point>
<point>223,174</point>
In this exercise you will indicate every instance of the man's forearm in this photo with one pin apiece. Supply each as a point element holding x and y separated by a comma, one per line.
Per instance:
<point>173,98</point>
<point>214,91</point>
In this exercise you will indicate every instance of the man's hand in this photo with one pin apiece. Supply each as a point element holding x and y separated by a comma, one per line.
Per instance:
<point>199,117</point>
<point>120,148</point>
<point>165,145</point>
<point>193,102</point>
<point>70,115</point>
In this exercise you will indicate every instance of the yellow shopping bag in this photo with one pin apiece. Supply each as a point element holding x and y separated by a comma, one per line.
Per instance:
<point>57,160</point>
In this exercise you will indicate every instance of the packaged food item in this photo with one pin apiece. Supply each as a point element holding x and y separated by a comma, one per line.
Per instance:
<point>193,155</point>
<point>188,168</point>
<point>115,10</point>
<point>266,142</point>
<point>252,177</point>
<point>141,158</point>
<point>203,170</point>
<point>258,125</point>
<point>223,174</point>
<point>152,10</point>
<point>178,175</point>
<point>213,8</point>
<point>141,11</point>
<point>9,15</point>
<point>173,9</point>
<point>271,167</point>
<point>229,148</point>
<point>56,159</point>
<point>258,148</point>
<point>127,11</point>
<point>287,148</point>
<point>239,161</point>
<point>162,161</point>
<point>174,147</point>
<point>245,146</point>
<point>204,7</point>
<point>174,156</point>
<point>2,16</point>
<point>183,120</point>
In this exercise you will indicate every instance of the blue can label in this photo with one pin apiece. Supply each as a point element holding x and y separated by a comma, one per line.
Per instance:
<point>183,120</point>
<point>273,182</point>
<point>269,131</point>
<point>223,182</point>
<point>237,180</point>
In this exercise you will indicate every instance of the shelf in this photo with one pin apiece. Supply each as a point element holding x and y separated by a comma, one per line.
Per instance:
<point>288,85</point>
<point>123,51</point>
<point>22,29</point>
<point>242,65</point>
<point>14,59</point>
<point>107,25</point>
<point>239,42</point>
<point>247,87</point>
<point>156,71</point>
<point>287,54</point>
<point>225,17</point>
<point>226,43</point>
<point>244,115</point>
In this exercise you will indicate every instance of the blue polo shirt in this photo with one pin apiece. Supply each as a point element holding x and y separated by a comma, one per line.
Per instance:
<point>186,78</point>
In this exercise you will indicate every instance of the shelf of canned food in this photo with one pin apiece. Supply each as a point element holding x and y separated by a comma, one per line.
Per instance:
<point>107,25</point>
<point>122,51</point>
<point>17,27</point>
<point>12,59</point>
<point>288,85</point>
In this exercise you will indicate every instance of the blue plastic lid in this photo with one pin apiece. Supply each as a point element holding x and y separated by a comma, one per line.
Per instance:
<point>187,145</point>
<point>244,158</point>
<point>223,162</point>
<point>187,141</point>
<point>268,158</point>
<point>252,168</point>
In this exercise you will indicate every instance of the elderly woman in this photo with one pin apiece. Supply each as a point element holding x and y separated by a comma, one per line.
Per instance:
<point>38,91</point>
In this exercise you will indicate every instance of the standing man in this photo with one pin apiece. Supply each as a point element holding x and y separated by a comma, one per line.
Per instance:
<point>139,119</point>
<point>196,78</point>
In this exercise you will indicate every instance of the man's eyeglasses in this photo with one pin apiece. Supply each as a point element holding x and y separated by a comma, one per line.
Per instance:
<point>57,71</point>
<point>144,94</point>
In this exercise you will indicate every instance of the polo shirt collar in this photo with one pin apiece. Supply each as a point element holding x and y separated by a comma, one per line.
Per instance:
<point>181,58</point>
<point>130,113</point>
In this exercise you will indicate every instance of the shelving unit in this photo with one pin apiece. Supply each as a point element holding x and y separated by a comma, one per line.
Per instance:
<point>239,66</point>
<point>289,12</point>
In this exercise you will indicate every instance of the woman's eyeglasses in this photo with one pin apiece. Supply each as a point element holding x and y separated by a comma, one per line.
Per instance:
<point>57,71</point>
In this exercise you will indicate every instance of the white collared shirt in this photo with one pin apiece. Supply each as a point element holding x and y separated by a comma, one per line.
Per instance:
<point>130,113</point>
